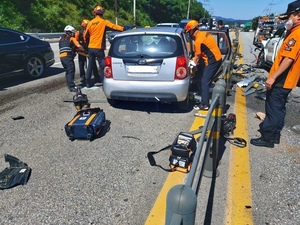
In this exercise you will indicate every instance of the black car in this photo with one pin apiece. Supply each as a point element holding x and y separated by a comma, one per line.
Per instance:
<point>22,53</point>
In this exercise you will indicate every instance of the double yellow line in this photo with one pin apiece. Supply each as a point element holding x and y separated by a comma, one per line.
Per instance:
<point>239,197</point>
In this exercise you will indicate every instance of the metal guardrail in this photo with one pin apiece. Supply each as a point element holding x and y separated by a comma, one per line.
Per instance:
<point>51,35</point>
<point>182,198</point>
<point>46,35</point>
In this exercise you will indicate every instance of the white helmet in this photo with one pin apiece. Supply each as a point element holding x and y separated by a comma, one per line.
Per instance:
<point>69,28</point>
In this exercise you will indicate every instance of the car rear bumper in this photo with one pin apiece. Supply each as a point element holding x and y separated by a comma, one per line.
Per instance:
<point>150,91</point>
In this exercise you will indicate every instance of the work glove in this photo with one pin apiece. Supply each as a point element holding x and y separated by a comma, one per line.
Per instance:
<point>192,63</point>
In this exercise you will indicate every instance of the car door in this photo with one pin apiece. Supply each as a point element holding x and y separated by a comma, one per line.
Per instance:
<point>272,45</point>
<point>277,46</point>
<point>223,41</point>
<point>12,51</point>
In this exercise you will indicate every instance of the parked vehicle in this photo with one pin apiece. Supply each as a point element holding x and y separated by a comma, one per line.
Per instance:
<point>270,47</point>
<point>112,34</point>
<point>183,22</point>
<point>148,64</point>
<point>167,25</point>
<point>151,64</point>
<point>22,53</point>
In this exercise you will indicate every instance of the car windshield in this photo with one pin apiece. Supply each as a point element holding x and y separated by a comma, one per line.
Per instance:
<point>143,45</point>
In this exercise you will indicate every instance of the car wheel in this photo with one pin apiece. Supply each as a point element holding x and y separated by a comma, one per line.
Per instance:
<point>261,59</point>
<point>34,67</point>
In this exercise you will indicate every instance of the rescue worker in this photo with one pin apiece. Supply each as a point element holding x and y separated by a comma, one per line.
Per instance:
<point>221,26</point>
<point>82,61</point>
<point>68,46</point>
<point>82,55</point>
<point>95,36</point>
<point>208,55</point>
<point>226,29</point>
<point>283,77</point>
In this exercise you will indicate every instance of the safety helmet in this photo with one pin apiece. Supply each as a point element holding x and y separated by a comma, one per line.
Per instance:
<point>98,10</point>
<point>84,23</point>
<point>191,25</point>
<point>69,28</point>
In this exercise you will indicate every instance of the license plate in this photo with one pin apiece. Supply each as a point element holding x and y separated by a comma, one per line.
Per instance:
<point>142,69</point>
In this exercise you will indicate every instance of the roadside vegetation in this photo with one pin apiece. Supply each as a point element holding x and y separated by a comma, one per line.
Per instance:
<point>54,15</point>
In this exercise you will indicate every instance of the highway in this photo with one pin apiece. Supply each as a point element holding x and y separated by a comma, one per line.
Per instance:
<point>109,180</point>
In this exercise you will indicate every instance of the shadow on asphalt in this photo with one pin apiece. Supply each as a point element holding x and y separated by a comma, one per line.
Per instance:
<point>151,107</point>
<point>17,79</point>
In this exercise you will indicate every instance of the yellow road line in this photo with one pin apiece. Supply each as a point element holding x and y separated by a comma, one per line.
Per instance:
<point>239,197</point>
<point>157,214</point>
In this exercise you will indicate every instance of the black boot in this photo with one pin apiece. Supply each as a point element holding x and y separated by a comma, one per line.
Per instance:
<point>276,139</point>
<point>261,142</point>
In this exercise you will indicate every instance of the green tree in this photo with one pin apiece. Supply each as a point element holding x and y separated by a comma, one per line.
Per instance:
<point>54,15</point>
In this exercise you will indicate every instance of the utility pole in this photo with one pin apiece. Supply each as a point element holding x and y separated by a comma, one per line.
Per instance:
<point>134,19</point>
<point>188,11</point>
<point>116,11</point>
<point>271,4</point>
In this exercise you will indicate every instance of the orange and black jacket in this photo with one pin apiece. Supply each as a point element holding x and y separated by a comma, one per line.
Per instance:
<point>95,33</point>
<point>207,48</point>
<point>79,36</point>
<point>67,46</point>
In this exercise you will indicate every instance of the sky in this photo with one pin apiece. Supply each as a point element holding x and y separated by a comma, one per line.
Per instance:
<point>245,9</point>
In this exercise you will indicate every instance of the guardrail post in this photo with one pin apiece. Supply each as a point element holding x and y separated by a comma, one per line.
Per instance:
<point>227,76</point>
<point>210,168</point>
<point>181,206</point>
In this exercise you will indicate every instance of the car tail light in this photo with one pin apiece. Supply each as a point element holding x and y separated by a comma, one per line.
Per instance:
<point>108,68</point>
<point>181,68</point>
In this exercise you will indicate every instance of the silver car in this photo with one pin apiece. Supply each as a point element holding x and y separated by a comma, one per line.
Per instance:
<point>148,64</point>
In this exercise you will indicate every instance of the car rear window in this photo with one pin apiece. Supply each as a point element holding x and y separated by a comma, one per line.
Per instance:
<point>147,45</point>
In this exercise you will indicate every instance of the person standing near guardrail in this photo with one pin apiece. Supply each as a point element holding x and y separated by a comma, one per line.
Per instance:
<point>82,55</point>
<point>68,45</point>
<point>82,61</point>
<point>95,36</point>
<point>206,49</point>
<point>283,77</point>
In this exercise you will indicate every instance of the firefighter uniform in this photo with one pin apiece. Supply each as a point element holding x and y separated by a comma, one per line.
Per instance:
<point>67,52</point>
<point>283,77</point>
<point>276,98</point>
<point>95,36</point>
<point>81,57</point>
<point>206,48</point>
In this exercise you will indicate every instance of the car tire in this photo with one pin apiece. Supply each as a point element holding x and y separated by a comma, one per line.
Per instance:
<point>34,67</point>
<point>261,59</point>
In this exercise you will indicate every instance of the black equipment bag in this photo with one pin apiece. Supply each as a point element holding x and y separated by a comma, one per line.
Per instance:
<point>182,152</point>
<point>86,124</point>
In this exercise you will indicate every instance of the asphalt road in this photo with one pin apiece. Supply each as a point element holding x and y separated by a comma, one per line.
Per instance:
<point>275,173</point>
<point>109,180</point>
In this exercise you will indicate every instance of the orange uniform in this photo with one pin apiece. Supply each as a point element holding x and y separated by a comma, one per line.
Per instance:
<point>95,32</point>
<point>206,47</point>
<point>289,48</point>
